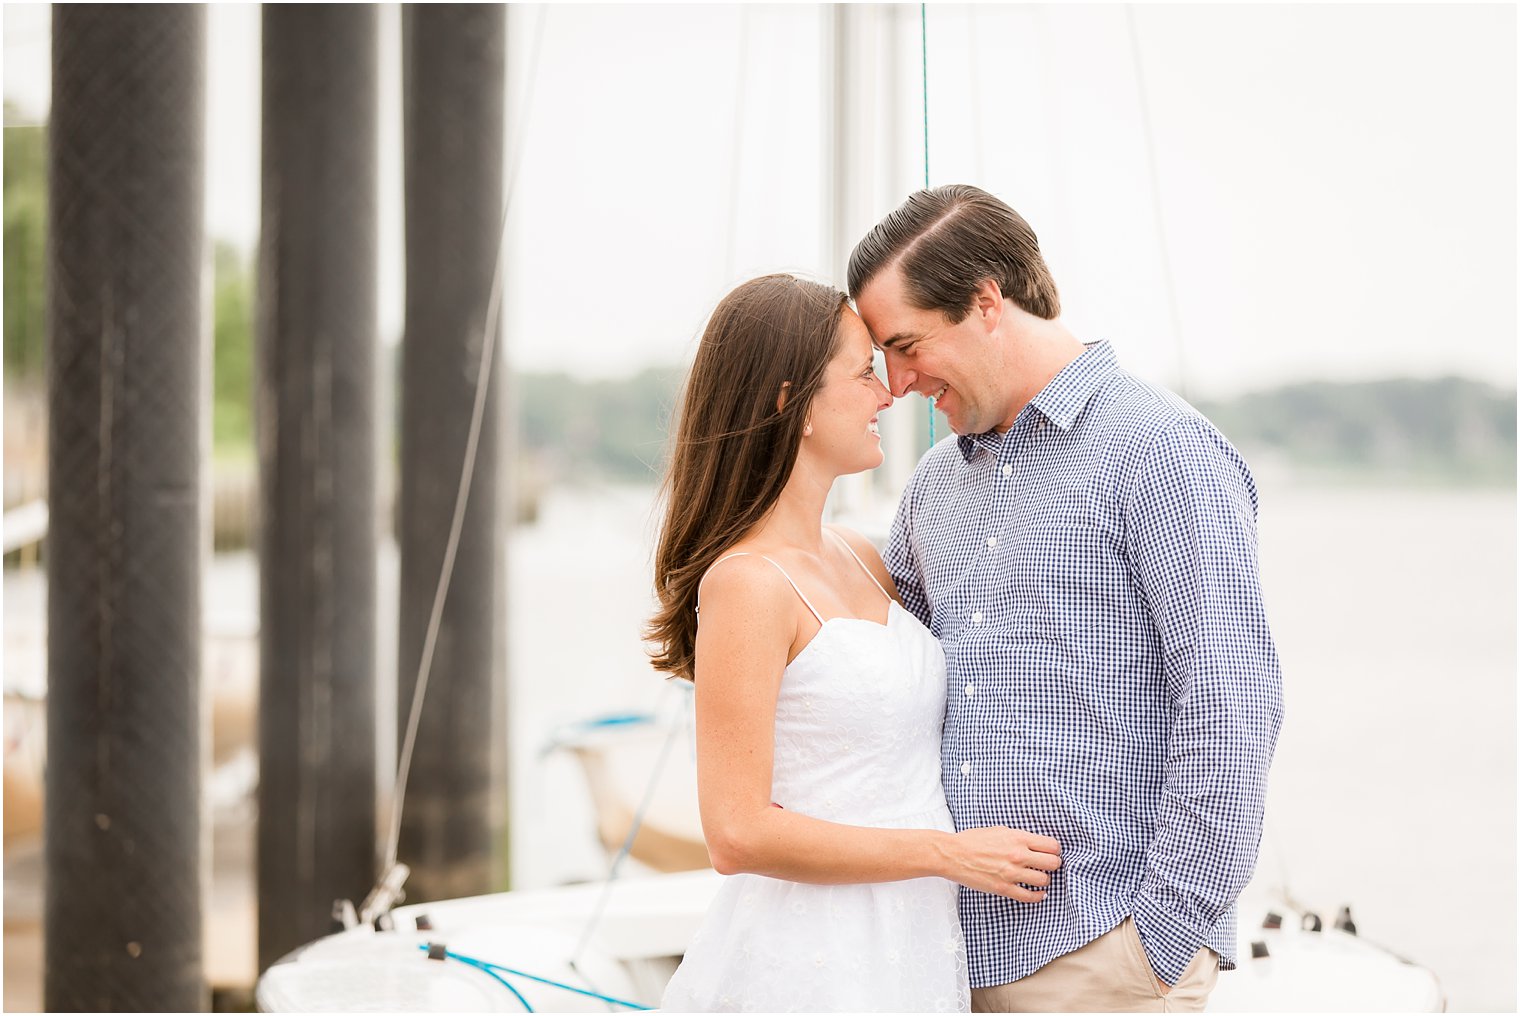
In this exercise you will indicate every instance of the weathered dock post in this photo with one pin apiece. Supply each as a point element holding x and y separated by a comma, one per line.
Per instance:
<point>315,380</point>
<point>454,69</point>
<point>125,724</point>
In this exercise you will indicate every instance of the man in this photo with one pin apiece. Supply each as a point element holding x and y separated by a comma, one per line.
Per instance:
<point>1085,550</point>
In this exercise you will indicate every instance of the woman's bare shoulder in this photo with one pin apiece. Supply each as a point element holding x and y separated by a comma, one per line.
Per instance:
<point>744,579</point>
<point>746,624</point>
<point>868,554</point>
<point>858,543</point>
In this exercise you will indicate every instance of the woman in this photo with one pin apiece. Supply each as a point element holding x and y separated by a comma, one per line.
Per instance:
<point>819,698</point>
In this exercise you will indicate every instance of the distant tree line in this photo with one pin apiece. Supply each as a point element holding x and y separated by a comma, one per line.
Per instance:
<point>604,430</point>
<point>1449,430</point>
<point>25,247</point>
<point>1446,430</point>
<point>26,297</point>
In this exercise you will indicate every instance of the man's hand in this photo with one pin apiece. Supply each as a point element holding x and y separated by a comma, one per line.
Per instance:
<point>1003,861</point>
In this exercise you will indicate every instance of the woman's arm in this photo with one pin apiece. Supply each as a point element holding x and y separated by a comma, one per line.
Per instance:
<point>748,625</point>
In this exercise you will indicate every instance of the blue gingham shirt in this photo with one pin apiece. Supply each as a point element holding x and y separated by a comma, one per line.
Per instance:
<point>1092,576</point>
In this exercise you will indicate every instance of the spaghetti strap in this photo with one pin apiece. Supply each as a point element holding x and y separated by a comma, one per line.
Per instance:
<point>800,595</point>
<point>862,564</point>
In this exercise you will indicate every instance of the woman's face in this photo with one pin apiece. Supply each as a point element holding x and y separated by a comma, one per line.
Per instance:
<point>843,415</point>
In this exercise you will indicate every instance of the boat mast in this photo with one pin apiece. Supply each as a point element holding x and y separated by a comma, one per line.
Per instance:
<point>868,173</point>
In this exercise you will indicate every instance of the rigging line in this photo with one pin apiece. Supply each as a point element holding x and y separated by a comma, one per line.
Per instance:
<point>923,35</point>
<point>467,471</point>
<point>1285,888</point>
<point>974,73</point>
<point>488,965</point>
<point>485,968</point>
<point>676,726</point>
<point>735,165</point>
<point>1155,180</point>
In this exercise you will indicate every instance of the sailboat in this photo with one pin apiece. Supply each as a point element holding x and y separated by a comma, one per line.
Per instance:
<point>613,944</point>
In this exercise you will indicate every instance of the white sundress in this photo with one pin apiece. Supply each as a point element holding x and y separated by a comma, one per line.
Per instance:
<point>858,723</point>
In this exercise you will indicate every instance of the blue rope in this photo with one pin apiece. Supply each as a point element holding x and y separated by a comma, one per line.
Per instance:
<point>496,970</point>
<point>618,720</point>
<point>495,977</point>
<point>923,33</point>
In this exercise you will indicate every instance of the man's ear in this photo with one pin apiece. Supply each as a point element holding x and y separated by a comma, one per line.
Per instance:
<point>781,396</point>
<point>987,303</point>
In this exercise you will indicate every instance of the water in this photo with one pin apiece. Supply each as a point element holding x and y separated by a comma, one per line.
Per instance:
<point>1394,784</point>
<point>1393,788</point>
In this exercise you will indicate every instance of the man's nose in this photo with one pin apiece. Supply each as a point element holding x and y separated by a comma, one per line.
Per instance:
<point>899,376</point>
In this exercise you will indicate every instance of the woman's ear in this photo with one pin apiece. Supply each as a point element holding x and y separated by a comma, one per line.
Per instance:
<point>781,396</point>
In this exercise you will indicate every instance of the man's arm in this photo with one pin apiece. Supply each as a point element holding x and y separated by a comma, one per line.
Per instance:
<point>901,561</point>
<point>1191,541</point>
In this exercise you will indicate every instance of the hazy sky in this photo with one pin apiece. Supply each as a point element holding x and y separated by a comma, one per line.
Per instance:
<point>1335,184</point>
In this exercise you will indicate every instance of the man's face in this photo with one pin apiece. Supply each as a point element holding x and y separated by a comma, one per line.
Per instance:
<point>961,366</point>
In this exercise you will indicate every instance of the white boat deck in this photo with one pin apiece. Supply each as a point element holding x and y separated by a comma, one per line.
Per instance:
<point>647,921</point>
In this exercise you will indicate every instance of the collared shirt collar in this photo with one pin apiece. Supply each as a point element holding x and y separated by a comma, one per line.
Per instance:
<point>1062,400</point>
<point>969,443</point>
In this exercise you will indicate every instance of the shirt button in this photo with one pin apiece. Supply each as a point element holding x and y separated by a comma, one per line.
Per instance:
<point>992,541</point>
<point>965,768</point>
<point>976,618</point>
<point>1007,470</point>
<point>970,690</point>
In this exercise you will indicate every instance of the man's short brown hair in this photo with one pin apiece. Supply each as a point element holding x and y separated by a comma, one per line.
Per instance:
<point>950,240</point>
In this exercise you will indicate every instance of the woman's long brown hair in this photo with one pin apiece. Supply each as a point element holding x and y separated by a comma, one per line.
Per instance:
<point>734,450</point>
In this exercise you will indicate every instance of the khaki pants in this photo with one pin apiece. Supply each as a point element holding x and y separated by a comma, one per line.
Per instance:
<point>1109,974</point>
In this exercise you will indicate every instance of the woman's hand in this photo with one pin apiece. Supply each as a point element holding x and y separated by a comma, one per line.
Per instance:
<point>1003,861</point>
